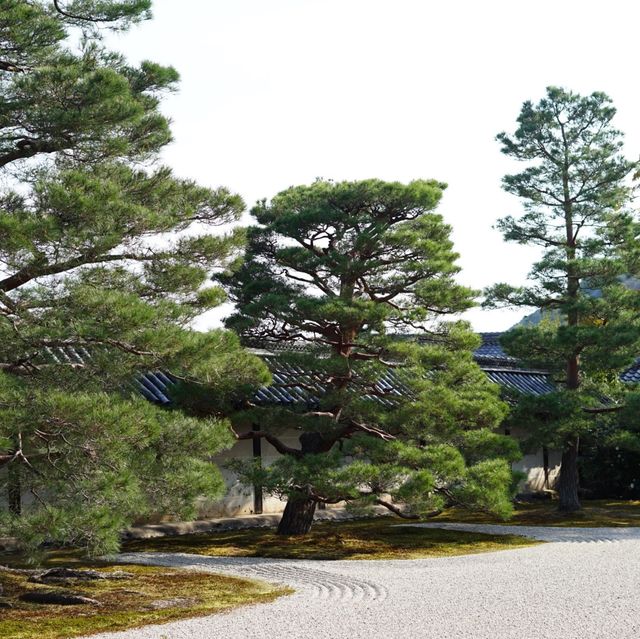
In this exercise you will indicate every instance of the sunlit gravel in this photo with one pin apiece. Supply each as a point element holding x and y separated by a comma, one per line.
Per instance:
<point>585,584</point>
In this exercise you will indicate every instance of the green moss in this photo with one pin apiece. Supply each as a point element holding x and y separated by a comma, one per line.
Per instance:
<point>125,603</point>
<point>594,513</point>
<point>380,538</point>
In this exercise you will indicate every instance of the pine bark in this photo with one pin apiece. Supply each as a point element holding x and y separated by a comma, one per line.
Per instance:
<point>297,517</point>
<point>568,482</point>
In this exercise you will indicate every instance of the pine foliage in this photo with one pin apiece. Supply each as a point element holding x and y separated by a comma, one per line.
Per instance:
<point>363,273</point>
<point>103,253</point>
<point>576,193</point>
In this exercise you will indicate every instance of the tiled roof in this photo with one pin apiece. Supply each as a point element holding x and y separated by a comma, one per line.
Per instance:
<point>522,381</point>
<point>293,385</point>
<point>155,386</point>
<point>632,374</point>
<point>63,355</point>
<point>152,386</point>
<point>490,349</point>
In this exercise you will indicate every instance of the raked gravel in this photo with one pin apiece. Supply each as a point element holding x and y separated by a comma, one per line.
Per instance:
<point>585,583</point>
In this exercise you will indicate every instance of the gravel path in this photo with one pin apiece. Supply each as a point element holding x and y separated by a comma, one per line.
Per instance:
<point>545,533</point>
<point>564,590</point>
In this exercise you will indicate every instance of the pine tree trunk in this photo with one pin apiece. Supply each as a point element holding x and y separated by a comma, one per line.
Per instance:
<point>569,481</point>
<point>297,517</point>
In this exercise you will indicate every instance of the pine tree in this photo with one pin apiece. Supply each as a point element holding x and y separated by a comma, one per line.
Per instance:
<point>101,274</point>
<point>363,274</point>
<point>576,196</point>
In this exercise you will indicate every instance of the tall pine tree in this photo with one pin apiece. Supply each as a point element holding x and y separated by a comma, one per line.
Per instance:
<point>399,414</point>
<point>101,274</point>
<point>576,193</point>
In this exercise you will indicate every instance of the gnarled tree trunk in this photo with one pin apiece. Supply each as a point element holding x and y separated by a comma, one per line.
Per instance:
<point>569,481</point>
<point>297,517</point>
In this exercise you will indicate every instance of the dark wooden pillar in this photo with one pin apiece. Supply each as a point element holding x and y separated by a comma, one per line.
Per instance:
<point>257,488</point>
<point>545,466</point>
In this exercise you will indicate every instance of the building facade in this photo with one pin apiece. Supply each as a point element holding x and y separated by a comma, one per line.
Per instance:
<point>540,466</point>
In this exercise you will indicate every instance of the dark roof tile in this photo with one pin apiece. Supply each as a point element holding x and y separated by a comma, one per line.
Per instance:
<point>632,374</point>
<point>293,385</point>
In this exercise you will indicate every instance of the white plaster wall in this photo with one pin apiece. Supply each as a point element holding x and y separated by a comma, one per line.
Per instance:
<point>239,498</point>
<point>532,465</point>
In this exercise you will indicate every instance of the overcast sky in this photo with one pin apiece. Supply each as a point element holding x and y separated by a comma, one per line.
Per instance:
<point>279,92</point>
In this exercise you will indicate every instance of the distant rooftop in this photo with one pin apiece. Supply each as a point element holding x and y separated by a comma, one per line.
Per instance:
<point>632,374</point>
<point>295,385</point>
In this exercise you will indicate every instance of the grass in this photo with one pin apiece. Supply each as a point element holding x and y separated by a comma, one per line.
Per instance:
<point>125,603</point>
<point>380,538</point>
<point>594,513</point>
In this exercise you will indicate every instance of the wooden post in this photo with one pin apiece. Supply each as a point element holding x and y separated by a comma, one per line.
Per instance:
<point>257,488</point>
<point>545,466</point>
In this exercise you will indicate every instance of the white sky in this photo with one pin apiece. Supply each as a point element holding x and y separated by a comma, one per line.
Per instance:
<point>279,92</point>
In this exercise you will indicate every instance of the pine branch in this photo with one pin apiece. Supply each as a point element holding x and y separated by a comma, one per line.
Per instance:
<point>66,14</point>
<point>280,446</point>
<point>396,510</point>
<point>603,409</point>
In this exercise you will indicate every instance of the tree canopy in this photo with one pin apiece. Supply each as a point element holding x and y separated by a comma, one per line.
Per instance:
<point>363,274</point>
<point>105,260</point>
<point>576,196</point>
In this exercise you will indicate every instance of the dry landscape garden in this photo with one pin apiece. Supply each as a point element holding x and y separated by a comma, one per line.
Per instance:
<point>351,455</point>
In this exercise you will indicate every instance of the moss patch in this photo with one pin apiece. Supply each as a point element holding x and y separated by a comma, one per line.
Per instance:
<point>150,595</point>
<point>594,513</point>
<point>380,538</point>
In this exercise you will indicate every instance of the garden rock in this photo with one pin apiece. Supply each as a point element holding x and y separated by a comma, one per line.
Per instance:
<point>58,599</point>
<point>176,602</point>
<point>66,575</point>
